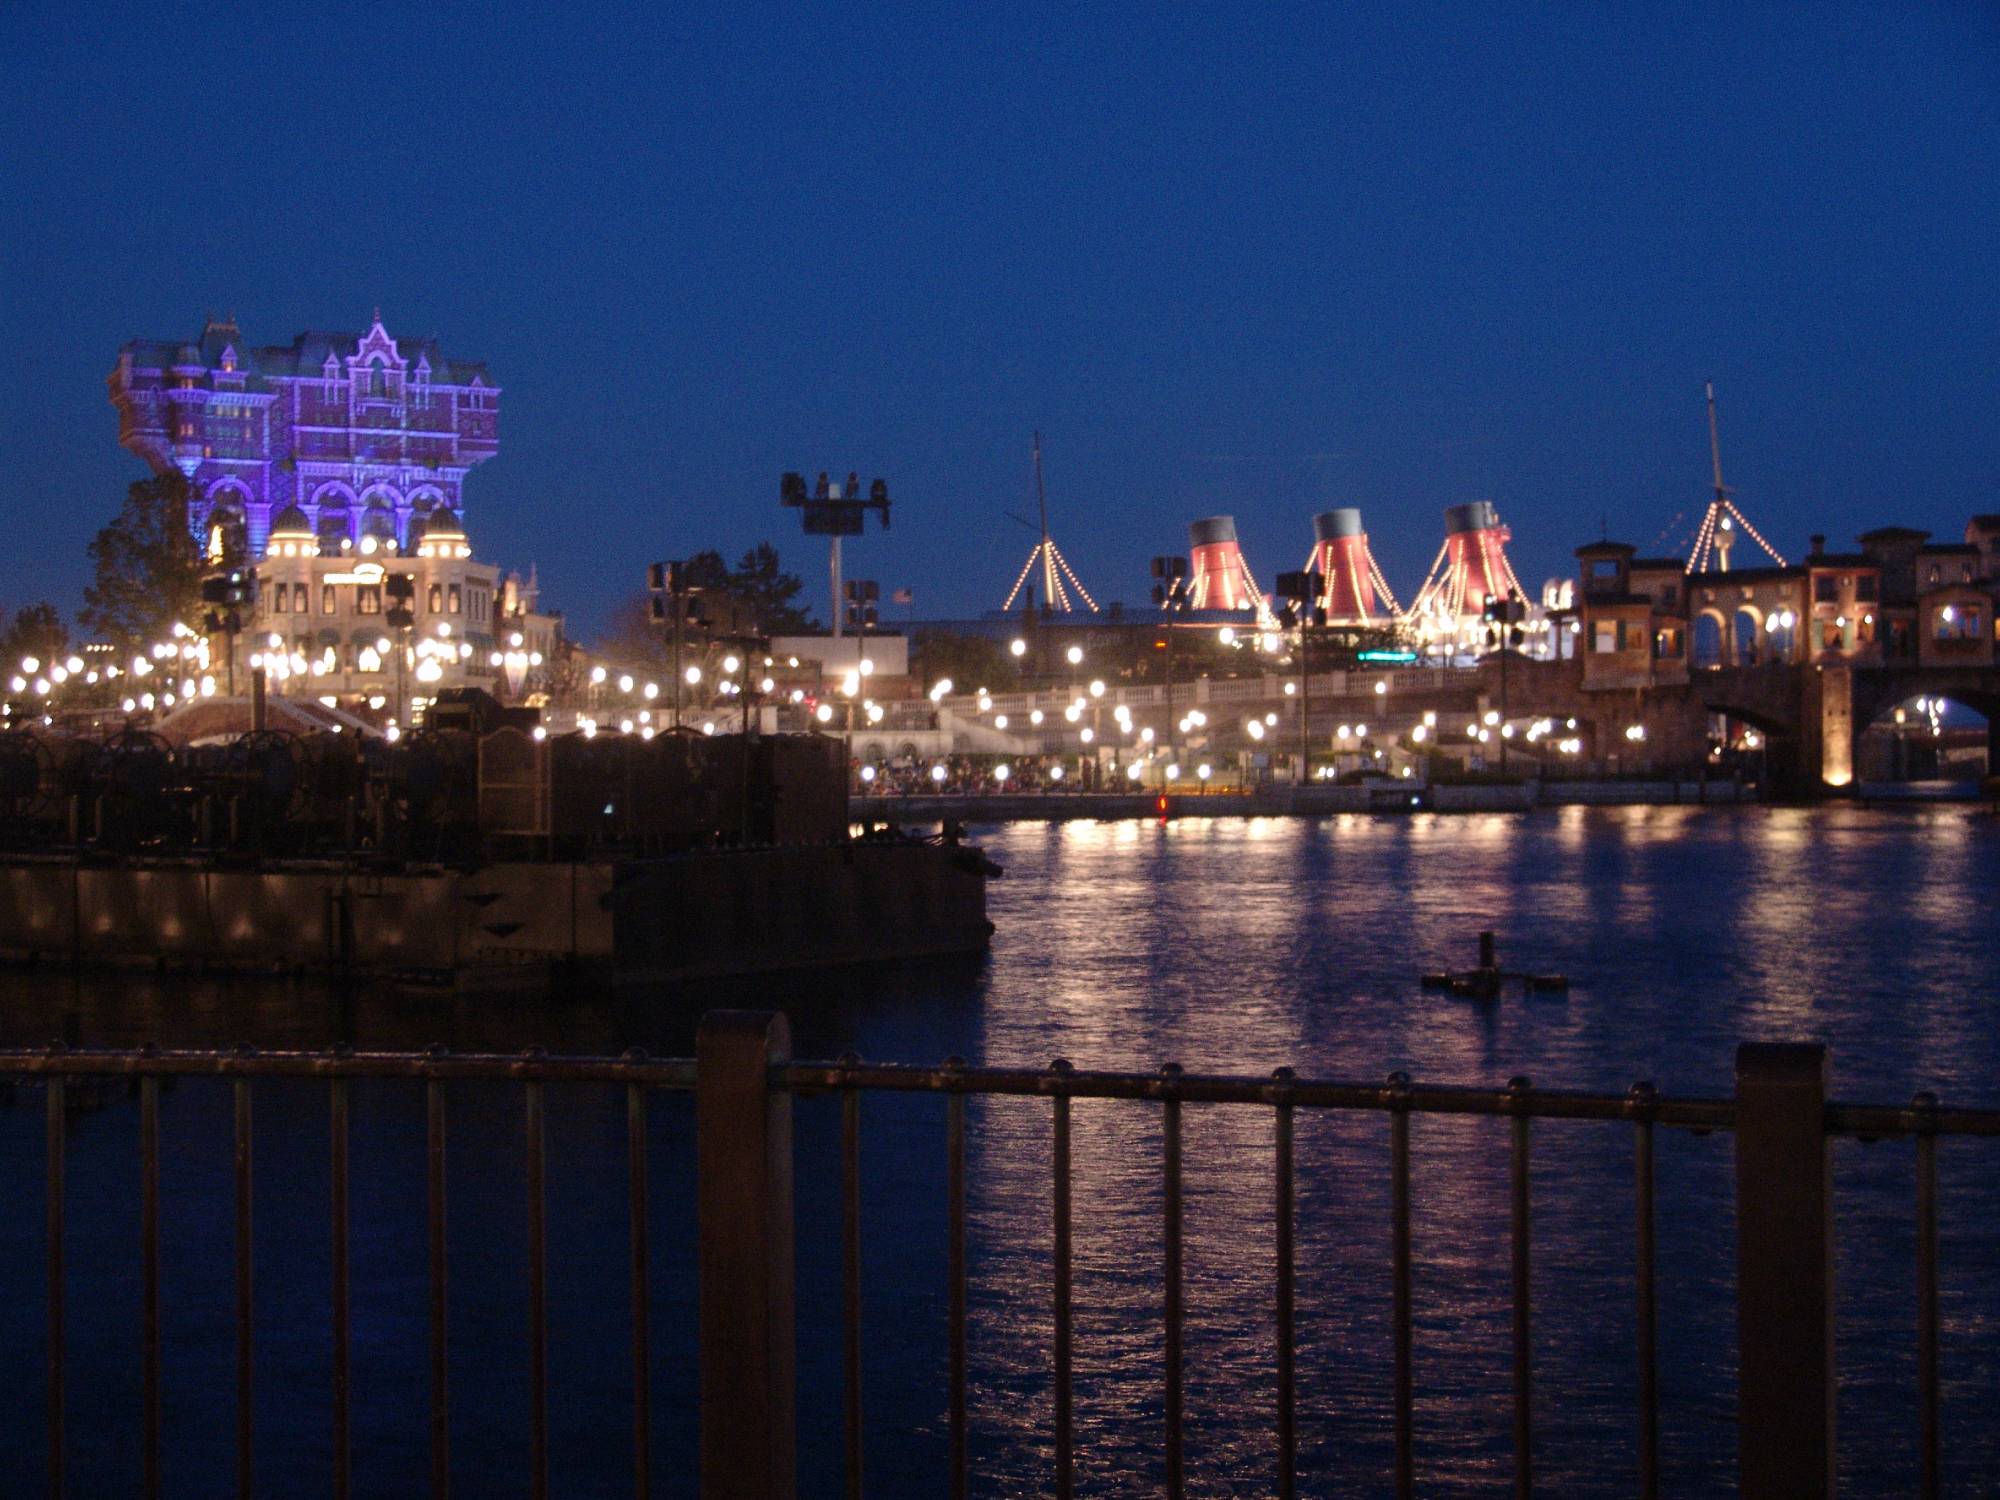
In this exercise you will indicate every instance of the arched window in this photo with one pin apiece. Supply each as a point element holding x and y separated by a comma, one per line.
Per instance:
<point>1708,640</point>
<point>1746,630</point>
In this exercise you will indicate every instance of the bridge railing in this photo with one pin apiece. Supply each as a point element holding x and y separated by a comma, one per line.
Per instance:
<point>744,1081</point>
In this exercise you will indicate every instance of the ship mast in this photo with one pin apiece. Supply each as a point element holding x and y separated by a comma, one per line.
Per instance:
<point>1721,522</point>
<point>1048,552</point>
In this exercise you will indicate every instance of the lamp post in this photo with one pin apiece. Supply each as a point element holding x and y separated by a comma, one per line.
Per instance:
<point>1172,593</point>
<point>1302,593</point>
<point>1503,631</point>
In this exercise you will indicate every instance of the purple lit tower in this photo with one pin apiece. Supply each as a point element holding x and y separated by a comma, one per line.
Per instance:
<point>365,433</point>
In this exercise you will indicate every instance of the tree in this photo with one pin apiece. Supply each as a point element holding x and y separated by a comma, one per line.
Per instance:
<point>149,569</point>
<point>37,631</point>
<point>970,661</point>
<point>770,593</point>
<point>756,597</point>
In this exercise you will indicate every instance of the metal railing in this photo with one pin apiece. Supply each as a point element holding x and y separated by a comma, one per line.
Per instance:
<point>744,1083</point>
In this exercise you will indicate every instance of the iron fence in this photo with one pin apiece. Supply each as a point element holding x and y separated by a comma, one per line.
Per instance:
<point>744,1083</point>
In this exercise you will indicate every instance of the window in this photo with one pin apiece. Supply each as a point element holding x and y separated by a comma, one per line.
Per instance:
<point>301,599</point>
<point>327,601</point>
<point>1960,622</point>
<point>1667,645</point>
<point>457,601</point>
<point>1864,631</point>
<point>436,602</point>
<point>281,600</point>
<point>1826,589</point>
<point>1668,594</point>
<point>1865,588</point>
<point>368,599</point>
<point>1604,638</point>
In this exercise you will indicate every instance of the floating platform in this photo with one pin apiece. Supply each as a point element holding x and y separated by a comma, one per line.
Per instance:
<point>1487,980</point>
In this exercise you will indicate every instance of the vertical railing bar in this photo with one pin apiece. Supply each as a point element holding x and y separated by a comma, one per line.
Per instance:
<point>1524,1436</point>
<point>149,1235</point>
<point>1283,1211</point>
<point>1170,1129</point>
<point>342,1414</point>
<point>1927,1295</point>
<point>1065,1450</point>
<point>642,1385</point>
<point>1399,1238</point>
<point>245,1305</point>
<point>850,1263</point>
<point>435,1216</point>
<point>538,1295</point>
<point>955,1273</point>
<point>57,1149</point>
<point>1648,1303</point>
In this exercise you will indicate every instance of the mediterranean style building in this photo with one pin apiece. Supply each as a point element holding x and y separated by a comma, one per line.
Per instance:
<point>1901,600</point>
<point>365,434</point>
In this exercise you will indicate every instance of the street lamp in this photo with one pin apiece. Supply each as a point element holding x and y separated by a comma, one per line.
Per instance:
<point>1172,592</point>
<point>1302,593</point>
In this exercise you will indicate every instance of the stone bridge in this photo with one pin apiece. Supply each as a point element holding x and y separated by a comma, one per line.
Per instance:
<point>1813,714</point>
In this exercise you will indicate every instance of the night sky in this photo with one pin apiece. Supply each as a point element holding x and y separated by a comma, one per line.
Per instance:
<point>1226,262</point>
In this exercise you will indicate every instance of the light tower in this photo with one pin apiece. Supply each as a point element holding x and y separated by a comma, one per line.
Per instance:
<point>1048,560</point>
<point>834,511</point>
<point>1719,525</point>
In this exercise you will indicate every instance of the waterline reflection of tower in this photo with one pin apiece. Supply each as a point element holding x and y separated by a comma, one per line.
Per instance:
<point>1058,578</point>
<point>1717,534</point>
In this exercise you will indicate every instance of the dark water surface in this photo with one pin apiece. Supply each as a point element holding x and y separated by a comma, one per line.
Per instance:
<point>1227,946</point>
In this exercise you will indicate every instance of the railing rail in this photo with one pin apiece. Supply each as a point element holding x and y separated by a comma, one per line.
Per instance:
<point>744,1083</point>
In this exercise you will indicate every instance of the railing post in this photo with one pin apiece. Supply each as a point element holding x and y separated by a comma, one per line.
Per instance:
<point>743,1145</point>
<point>1784,1273</point>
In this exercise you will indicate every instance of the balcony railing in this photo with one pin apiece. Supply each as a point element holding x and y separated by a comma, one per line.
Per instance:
<point>744,1083</point>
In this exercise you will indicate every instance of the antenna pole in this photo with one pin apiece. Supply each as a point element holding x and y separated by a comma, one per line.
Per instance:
<point>1048,553</point>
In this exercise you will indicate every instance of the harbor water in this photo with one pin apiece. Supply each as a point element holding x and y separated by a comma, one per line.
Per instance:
<point>1226,945</point>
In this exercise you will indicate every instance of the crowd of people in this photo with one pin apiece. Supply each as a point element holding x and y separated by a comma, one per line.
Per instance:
<point>974,775</point>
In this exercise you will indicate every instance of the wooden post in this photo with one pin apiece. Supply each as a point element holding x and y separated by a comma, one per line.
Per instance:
<point>743,1146</point>
<point>1784,1274</point>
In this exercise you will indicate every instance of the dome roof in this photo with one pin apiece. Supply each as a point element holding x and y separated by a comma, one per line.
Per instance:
<point>443,525</point>
<point>291,521</point>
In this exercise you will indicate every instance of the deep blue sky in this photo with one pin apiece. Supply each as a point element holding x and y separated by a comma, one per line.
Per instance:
<point>1225,261</point>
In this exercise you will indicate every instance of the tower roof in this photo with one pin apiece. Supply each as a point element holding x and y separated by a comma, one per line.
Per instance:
<point>443,523</point>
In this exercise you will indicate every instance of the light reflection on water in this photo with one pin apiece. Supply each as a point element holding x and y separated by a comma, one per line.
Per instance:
<point>1240,946</point>
<point>1229,946</point>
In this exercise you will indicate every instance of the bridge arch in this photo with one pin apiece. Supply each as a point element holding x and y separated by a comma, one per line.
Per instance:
<point>1909,744</point>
